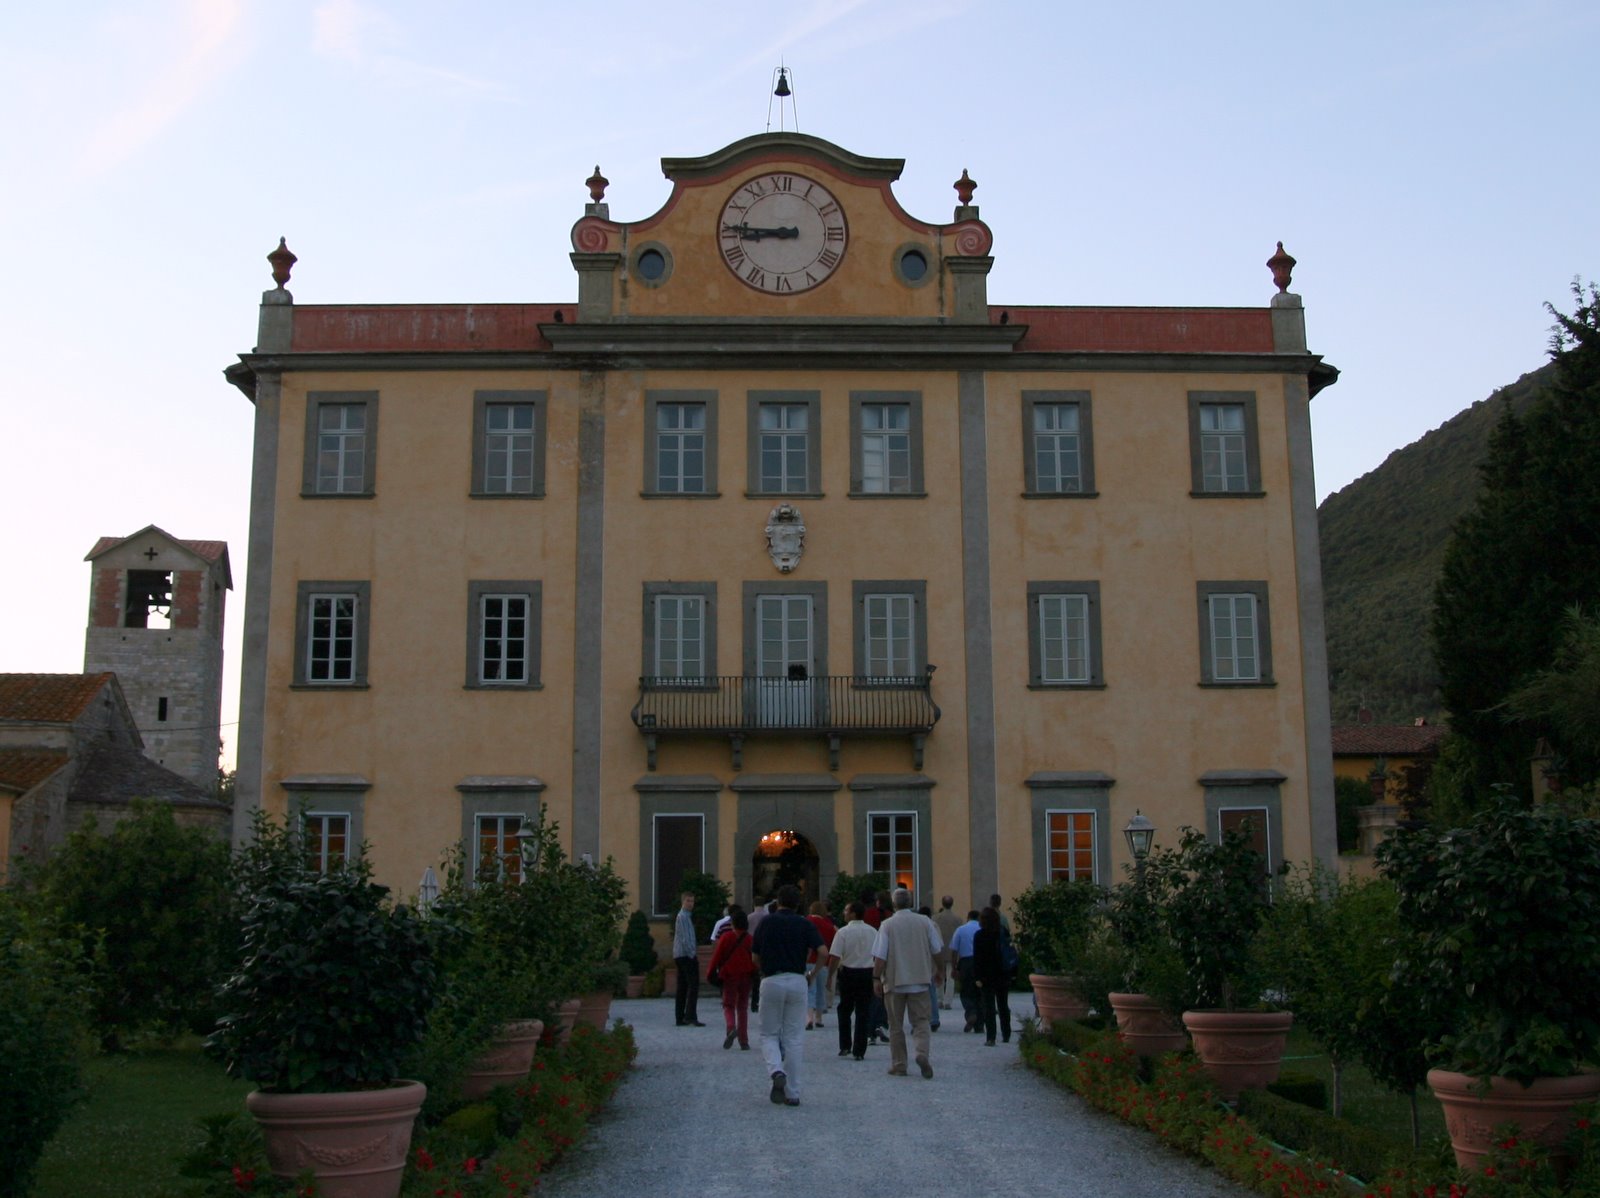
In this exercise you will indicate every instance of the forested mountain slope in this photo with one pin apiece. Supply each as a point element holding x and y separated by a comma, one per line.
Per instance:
<point>1383,539</point>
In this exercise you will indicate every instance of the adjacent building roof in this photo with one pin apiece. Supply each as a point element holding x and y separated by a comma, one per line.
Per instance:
<point>210,550</point>
<point>1386,740</point>
<point>48,698</point>
<point>23,769</point>
<point>116,774</point>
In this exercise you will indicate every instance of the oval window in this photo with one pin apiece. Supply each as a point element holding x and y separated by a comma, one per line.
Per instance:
<point>913,265</point>
<point>651,266</point>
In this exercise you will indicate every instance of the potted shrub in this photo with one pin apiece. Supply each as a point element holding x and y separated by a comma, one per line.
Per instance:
<point>1126,957</point>
<point>332,992</point>
<point>1055,923</point>
<point>1506,920</point>
<point>1212,898</point>
<point>638,951</point>
<point>594,1006</point>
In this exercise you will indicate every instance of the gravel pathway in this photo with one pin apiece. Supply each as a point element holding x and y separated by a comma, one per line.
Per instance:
<point>694,1120</point>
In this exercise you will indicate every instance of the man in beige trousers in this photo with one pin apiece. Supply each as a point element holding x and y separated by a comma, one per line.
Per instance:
<point>905,960</point>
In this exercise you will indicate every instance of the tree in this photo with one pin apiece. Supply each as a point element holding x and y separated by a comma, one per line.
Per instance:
<point>1566,697</point>
<point>1329,940</point>
<point>1518,560</point>
<point>154,895</point>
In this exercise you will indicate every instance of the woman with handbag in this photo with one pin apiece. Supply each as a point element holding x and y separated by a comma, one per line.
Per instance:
<point>732,968</point>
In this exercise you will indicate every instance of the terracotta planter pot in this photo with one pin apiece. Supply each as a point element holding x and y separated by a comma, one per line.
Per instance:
<point>1056,1000</point>
<point>1542,1110</point>
<point>1145,1027</point>
<point>507,1060</point>
<point>355,1141</point>
<point>669,981</point>
<point>566,1019</point>
<point>594,1009</point>
<point>1241,1050</point>
<point>635,985</point>
<point>703,953</point>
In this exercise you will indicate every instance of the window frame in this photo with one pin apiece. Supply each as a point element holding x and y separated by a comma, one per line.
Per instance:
<point>1246,790</point>
<point>706,592</point>
<point>897,813</point>
<point>653,402</point>
<point>482,401</point>
<point>1070,791</point>
<point>655,858</point>
<point>316,401</point>
<point>1090,590</point>
<point>811,401</point>
<point>1252,444</point>
<point>1050,873</point>
<point>912,402</point>
<point>306,594</point>
<point>1205,592</point>
<point>1084,402</point>
<point>323,867</point>
<point>860,592</point>
<point>878,794</point>
<point>753,591</point>
<point>500,796</point>
<point>476,849</point>
<point>477,591</point>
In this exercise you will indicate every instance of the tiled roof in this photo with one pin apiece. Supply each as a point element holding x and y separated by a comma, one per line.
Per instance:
<point>1388,740</point>
<point>116,774</point>
<point>210,550</point>
<point>48,698</point>
<point>23,769</point>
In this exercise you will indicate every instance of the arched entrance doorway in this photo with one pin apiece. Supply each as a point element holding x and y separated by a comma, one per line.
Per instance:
<point>784,857</point>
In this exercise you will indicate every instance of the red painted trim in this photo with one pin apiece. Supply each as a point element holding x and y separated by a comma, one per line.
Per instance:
<point>1142,330</point>
<point>380,328</point>
<point>375,328</point>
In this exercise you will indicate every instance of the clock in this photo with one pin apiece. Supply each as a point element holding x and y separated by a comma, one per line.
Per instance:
<point>782,233</point>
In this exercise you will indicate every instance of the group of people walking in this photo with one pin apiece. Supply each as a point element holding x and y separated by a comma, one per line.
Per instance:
<point>888,967</point>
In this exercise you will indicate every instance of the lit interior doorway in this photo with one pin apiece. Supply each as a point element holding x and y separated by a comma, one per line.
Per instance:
<point>784,857</point>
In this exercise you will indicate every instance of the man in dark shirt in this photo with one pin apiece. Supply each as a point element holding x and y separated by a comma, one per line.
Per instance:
<point>782,943</point>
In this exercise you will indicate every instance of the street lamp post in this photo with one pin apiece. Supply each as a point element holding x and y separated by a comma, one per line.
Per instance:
<point>1141,834</point>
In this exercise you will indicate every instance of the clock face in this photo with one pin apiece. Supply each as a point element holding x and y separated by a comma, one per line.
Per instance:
<point>782,233</point>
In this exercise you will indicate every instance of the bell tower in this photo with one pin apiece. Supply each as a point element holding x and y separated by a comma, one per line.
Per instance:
<point>156,607</point>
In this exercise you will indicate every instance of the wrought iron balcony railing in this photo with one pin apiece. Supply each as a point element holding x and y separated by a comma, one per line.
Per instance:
<point>833,706</point>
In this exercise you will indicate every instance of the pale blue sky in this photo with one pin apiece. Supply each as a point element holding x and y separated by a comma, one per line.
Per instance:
<point>1431,165</point>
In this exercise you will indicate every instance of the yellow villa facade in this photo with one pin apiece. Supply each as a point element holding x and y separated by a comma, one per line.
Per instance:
<point>781,551</point>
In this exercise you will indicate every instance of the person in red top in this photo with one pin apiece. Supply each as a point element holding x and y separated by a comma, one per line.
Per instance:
<point>731,965</point>
<point>817,965</point>
<point>869,904</point>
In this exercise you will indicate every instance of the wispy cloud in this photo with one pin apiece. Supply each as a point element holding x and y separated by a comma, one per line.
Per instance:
<point>205,43</point>
<point>366,37</point>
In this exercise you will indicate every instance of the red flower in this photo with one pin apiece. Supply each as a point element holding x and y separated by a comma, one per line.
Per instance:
<point>1488,1171</point>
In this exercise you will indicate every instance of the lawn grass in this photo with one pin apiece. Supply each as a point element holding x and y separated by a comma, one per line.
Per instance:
<point>1366,1103</point>
<point>139,1117</point>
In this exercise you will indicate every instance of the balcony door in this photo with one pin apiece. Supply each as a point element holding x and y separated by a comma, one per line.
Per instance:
<point>786,664</point>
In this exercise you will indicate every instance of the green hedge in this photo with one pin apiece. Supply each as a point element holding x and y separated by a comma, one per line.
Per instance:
<point>1358,1150</point>
<point>1305,1088</point>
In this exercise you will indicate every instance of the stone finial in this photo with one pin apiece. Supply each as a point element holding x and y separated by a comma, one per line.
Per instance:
<point>598,184</point>
<point>283,261</point>
<point>965,187</point>
<point>1281,266</point>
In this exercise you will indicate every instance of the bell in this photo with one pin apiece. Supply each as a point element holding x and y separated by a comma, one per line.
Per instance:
<point>783,84</point>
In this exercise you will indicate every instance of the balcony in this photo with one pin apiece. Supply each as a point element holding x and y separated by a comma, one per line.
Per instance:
<point>829,706</point>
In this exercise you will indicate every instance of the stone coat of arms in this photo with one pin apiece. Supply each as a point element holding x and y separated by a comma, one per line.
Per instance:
<point>786,536</point>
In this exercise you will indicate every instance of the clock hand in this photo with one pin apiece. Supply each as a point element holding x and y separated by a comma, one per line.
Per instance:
<point>757,232</point>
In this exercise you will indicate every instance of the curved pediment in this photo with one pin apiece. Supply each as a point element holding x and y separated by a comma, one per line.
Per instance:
<point>780,225</point>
